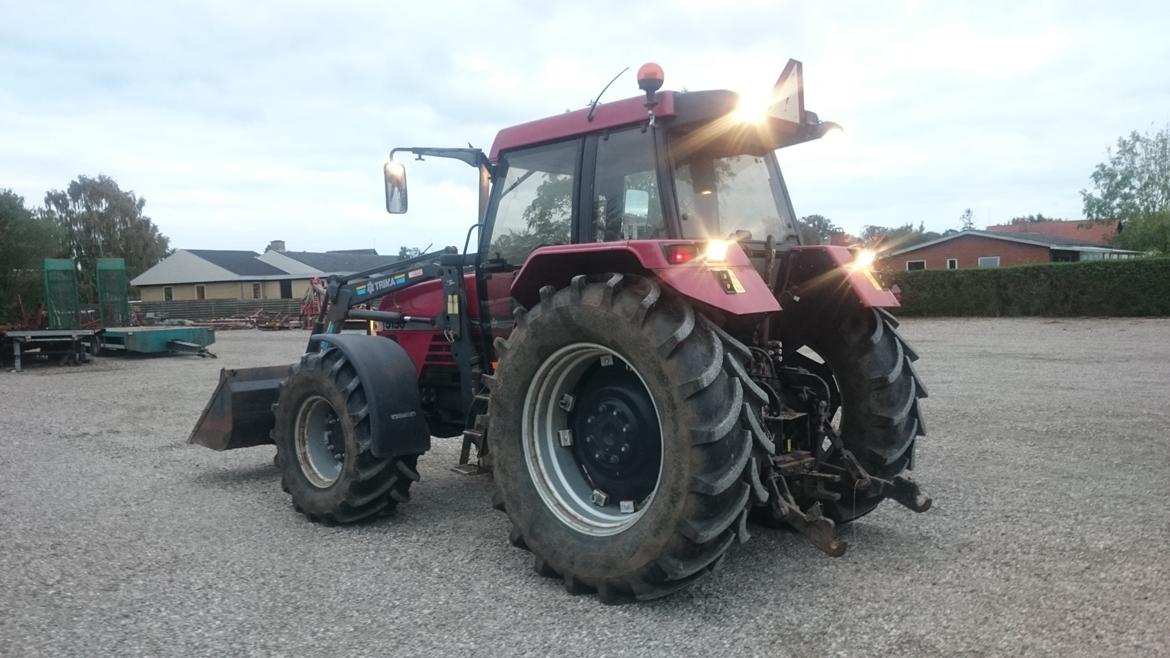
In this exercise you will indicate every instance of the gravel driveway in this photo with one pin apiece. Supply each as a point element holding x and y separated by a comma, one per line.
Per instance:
<point>1048,458</point>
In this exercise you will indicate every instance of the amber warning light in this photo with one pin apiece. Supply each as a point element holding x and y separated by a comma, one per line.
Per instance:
<point>650,77</point>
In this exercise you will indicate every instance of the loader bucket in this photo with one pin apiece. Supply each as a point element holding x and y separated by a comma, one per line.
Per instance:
<point>239,414</point>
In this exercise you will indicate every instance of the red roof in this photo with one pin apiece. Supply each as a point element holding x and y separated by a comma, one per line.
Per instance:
<point>570,124</point>
<point>1084,230</point>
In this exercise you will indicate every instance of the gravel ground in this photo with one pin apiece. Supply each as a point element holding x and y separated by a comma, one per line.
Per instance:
<point>1048,459</point>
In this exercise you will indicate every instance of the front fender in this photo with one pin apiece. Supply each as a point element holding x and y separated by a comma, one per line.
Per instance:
<point>388,378</point>
<point>743,293</point>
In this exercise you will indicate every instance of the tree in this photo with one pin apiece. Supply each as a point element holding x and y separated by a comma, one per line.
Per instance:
<point>1038,218</point>
<point>816,229</point>
<point>97,219</point>
<point>967,220</point>
<point>895,237</point>
<point>1134,186</point>
<point>899,237</point>
<point>25,240</point>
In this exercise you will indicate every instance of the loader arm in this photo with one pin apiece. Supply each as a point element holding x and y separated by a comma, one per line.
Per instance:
<point>239,413</point>
<point>343,294</point>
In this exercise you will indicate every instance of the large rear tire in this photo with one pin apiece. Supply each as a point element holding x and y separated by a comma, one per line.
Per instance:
<point>685,490</point>
<point>879,390</point>
<point>323,445</point>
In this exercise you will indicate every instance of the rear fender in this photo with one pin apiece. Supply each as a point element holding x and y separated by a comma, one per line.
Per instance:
<point>697,280</point>
<point>388,377</point>
<point>823,274</point>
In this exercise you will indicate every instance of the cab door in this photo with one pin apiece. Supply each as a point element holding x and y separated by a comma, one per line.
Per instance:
<point>620,188</point>
<point>534,203</point>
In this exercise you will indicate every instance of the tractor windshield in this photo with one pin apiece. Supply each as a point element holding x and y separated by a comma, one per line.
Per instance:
<point>721,194</point>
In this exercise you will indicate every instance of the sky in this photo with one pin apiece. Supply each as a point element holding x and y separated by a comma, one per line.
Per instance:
<point>241,123</point>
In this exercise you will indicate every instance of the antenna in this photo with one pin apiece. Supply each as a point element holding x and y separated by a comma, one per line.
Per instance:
<point>593,105</point>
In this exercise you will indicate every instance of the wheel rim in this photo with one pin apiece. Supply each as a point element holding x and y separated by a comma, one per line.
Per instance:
<point>592,439</point>
<point>319,442</point>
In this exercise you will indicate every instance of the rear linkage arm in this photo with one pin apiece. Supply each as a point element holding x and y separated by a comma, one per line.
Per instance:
<point>816,528</point>
<point>819,530</point>
<point>900,489</point>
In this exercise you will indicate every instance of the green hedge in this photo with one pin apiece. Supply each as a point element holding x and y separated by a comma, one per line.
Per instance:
<point>1139,287</point>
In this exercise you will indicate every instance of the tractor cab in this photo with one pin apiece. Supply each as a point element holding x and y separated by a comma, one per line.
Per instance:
<point>667,166</point>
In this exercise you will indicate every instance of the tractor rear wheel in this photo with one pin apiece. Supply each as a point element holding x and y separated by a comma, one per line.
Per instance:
<point>619,438</point>
<point>323,445</point>
<point>868,365</point>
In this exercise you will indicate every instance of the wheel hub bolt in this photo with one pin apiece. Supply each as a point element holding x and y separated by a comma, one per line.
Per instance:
<point>599,497</point>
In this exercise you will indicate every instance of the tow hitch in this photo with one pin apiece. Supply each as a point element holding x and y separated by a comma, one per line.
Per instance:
<point>816,528</point>
<point>819,530</point>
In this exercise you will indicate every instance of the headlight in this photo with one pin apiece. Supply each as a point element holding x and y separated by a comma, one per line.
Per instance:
<point>717,251</point>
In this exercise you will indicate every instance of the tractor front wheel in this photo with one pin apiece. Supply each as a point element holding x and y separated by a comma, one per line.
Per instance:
<point>323,445</point>
<point>619,438</point>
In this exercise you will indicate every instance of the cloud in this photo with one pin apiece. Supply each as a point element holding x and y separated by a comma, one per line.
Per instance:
<point>241,123</point>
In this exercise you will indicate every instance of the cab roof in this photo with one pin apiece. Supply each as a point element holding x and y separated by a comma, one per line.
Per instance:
<point>676,106</point>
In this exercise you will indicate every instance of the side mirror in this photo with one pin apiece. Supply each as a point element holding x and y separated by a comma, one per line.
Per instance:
<point>395,175</point>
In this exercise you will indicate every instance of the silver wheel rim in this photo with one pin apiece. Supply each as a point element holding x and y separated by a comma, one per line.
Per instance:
<point>554,469</point>
<point>319,442</point>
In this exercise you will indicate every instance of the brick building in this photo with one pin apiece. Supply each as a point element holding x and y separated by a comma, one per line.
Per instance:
<point>972,249</point>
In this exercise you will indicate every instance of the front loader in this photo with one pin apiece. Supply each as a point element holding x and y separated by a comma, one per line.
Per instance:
<point>639,350</point>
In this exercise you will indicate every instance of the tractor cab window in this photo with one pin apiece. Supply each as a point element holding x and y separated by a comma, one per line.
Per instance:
<point>729,185</point>
<point>626,203</point>
<point>535,206</point>
<point>722,195</point>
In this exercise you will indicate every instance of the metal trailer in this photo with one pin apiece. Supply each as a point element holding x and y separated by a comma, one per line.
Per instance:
<point>71,345</point>
<point>158,340</point>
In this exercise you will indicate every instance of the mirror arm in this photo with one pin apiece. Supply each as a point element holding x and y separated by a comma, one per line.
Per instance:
<point>470,156</point>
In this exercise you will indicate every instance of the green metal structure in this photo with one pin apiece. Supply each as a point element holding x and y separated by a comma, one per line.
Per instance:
<point>62,302</point>
<point>158,340</point>
<point>113,288</point>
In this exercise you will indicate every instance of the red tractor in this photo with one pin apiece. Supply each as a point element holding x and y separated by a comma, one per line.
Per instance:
<point>640,351</point>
